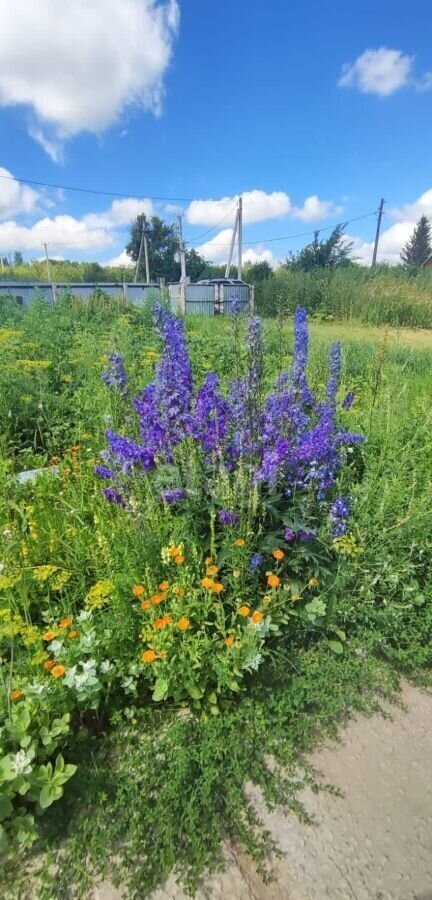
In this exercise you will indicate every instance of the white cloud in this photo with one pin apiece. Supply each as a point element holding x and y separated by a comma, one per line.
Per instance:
<point>217,250</point>
<point>314,209</point>
<point>58,231</point>
<point>390,245</point>
<point>421,207</point>
<point>121,212</point>
<point>15,198</point>
<point>381,72</point>
<point>173,209</point>
<point>121,260</point>
<point>52,148</point>
<point>79,68</point>
<point>257,206</point>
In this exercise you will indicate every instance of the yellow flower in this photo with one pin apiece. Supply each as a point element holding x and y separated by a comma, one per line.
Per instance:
<point>58,671</point>
<point>16,695</point>
<point>208,560</point>
<point>207,582</point>
<point>278,554</point>
<point>244,611</point>
<point>42,573</point>
<point>296,597</point>
<point>146,604</point>
<point>164,585</point>
<point>65,623</point>
<point>313,582</point>
<point>72,634</point>
<point>183,624</point>
<point>229,640</point>
<point>239,542</point>
<point>49,635</point>
<point>148,656</point>
<point>60,580</point>
<point>179,591</point>
<point>273,580</point>
<point>257,616</point>
<point>212,570</point>
<point>138,590</point>
<point>266,600</point>
<point>48,664</point>
<point>179,560</point>
<point>217,587</point>
<point>99,594</point>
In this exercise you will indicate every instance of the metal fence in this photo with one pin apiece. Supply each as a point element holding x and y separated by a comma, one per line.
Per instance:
<point>211,299</point>
<point>26,291</point>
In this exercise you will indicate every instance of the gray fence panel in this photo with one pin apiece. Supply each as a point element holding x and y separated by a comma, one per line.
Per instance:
<point>237,295</point>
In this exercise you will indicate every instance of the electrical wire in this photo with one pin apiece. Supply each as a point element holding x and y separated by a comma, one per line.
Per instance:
<point>67,187</point>
<point>196,240</point>
<point>286,237</point>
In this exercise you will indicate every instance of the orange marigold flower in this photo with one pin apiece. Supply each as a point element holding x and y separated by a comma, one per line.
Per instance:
<point>217,587</point>
<point>229,640</point>
<point>212,570</point>
<point>257,616</point>
<point>158,598</point>
<point>164,585</point>
<point>183,624</point>
<point>179,560</point>
<point>313,582</point>
<point>48,664</point>
<point>244,611</point>
<point>149,656</point>
<point>16,694</point>
<point>278,554</point>
<point>296,597</point>
<point>65,623</point>
<point>49,635</point>
<point>179,591</point>
<point>208,560</point>
<point>273,580</point>
<point>163,621</point>
<point>146,604</point>
<point>239,542</point>
<point>175,551</point>
<point>58,671</point>
<point>207,582</point>
<point>138,590</point>
<point>72,634</point>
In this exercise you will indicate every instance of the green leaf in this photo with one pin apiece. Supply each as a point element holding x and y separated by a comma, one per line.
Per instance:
<point>49,794</point>
<point>160,689</point>
<point>3,839</point>
<point>6,808</point>
<point>341,634</point>
<point>194,691</point>
<point>336,647</point>
<point>212,697</point>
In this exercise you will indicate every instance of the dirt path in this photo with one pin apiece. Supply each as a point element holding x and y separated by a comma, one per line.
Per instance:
<point>375,843</point>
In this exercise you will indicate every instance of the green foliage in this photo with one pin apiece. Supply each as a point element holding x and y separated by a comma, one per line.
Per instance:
<point>159,784</point>
<point>162,242</point>
<point>418,248</point>
<point>329,253</point>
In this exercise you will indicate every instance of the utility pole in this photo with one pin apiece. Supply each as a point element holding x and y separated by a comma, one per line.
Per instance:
<point>182,250</point>
<point>139,255</point>
<point>240,237</point>
<point>49,272</point>
<point>2,263</point>
<point>146,257</point>
<point>378,228</point>
<point>228,265</point>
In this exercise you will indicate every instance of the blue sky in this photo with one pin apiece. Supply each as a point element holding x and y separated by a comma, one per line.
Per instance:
<point>312,111</point>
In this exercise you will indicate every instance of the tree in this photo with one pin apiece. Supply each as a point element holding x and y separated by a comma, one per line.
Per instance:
<point>162,242</point>
<point>256,273</point>
<point>419,247</point>
<point>18,258</point>
<point>326,254</point>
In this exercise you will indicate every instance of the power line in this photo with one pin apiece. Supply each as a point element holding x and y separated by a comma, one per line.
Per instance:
<point>288,237</point>
<point>196,240</point>
<point>68,187</point>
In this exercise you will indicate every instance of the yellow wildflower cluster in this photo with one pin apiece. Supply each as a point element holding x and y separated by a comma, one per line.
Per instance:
<point>60,580</point>
<point>99,594</point>
<point>347,545</point>
<point>9,581</point>
<point>42,573</point>
<point>8,334</point>
<point>27,366</point>
<point>12,625</point>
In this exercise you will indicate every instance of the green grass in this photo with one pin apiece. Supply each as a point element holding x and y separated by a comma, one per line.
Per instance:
<point>159,791</point>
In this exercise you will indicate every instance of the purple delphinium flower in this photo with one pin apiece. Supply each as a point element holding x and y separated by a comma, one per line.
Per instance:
<point>210,418</point>
<point>228,517</point>
<point>173,495</point>
<point>301,345</point>
<point>348,400</point>
<point>339,512</point>
<point>334,374</point>
<point>289,535</point>
<point>256,561</point>
<point>103,472</point>
<point>128,453</point>
<point>306,535</point>
<point>114,496</point>
<point>115,375</point>
<point>255,348</point>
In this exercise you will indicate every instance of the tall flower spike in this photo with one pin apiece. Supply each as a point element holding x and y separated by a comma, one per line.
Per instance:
<point>301,348</point>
